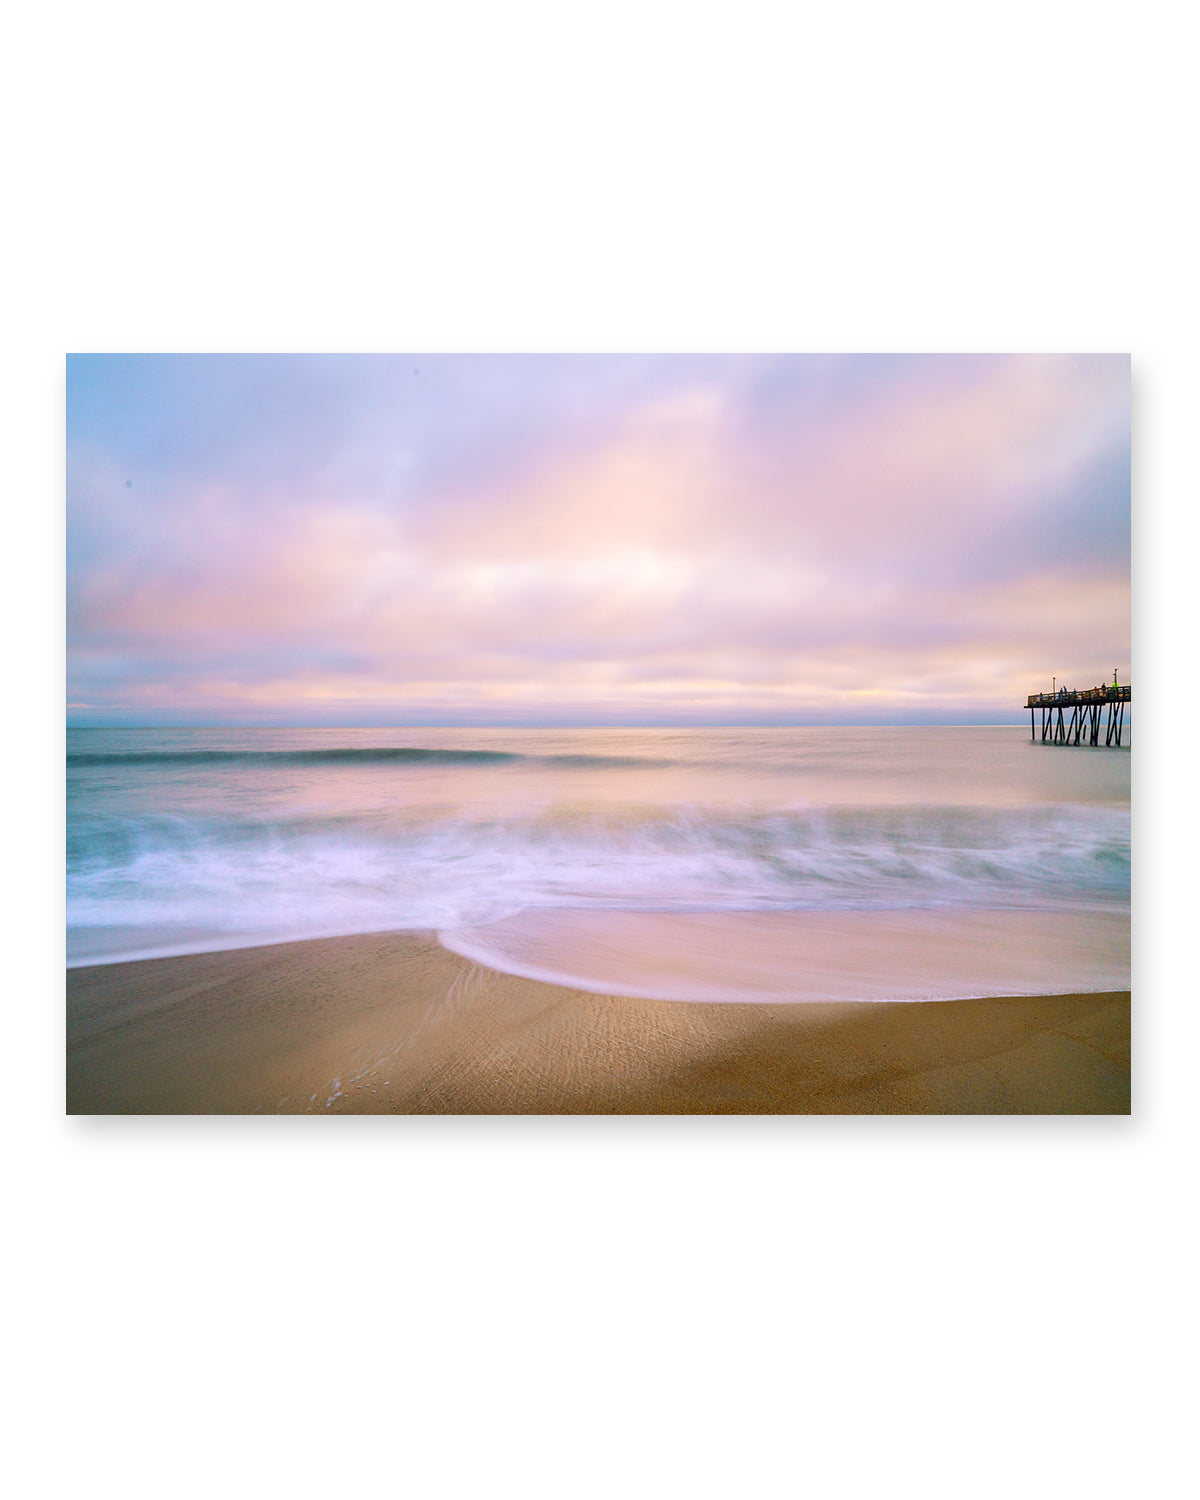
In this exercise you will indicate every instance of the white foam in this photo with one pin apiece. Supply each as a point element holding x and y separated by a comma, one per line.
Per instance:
<point>280,885</point>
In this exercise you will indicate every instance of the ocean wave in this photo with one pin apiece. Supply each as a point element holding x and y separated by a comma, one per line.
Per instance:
<point>299,876</point>
<point>349,755</point>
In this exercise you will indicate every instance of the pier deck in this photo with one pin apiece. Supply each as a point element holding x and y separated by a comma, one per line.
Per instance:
<point>1087,708</point>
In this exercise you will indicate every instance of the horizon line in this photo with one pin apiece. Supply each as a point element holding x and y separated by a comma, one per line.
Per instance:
<point>1014,723</point>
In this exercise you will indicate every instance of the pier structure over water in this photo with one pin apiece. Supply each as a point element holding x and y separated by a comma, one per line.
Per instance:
<point>1087,709</point>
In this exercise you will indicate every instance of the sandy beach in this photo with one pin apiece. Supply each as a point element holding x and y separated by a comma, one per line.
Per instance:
<point>395,1023</point>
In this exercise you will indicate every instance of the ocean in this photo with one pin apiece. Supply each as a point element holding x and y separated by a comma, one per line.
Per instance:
<point>717,863</point>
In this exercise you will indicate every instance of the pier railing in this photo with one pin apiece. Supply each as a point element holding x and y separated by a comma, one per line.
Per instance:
<point>1088,708</point>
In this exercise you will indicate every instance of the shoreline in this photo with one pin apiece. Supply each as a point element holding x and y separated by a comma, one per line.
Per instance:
<point>790,956</point>
<point>397,1023</point>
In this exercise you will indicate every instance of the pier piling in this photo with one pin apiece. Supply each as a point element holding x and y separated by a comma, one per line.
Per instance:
<point>1087,715</point>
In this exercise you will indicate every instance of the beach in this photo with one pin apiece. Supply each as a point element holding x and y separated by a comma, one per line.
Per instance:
<point>592,921</point>
<point>396,1023</point>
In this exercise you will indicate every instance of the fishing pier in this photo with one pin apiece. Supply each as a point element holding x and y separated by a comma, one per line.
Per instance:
<point>1087,710</point>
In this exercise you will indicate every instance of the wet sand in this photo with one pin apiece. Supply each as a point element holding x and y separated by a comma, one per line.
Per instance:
<point>395,1023</point>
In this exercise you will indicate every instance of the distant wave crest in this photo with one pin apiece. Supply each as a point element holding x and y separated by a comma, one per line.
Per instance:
<point>384,755</point>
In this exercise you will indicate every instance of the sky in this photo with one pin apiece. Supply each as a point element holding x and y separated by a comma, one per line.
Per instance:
<point>592,539</point>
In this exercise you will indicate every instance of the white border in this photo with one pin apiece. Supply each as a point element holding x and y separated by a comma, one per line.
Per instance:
<point>855,1307</point>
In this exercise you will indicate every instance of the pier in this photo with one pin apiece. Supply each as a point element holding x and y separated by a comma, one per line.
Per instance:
<point>1087,710</point>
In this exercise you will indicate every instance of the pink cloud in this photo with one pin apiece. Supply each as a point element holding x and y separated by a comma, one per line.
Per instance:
<point>691,549</point>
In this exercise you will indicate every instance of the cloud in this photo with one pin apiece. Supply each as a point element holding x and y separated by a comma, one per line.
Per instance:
<point>692,536</point>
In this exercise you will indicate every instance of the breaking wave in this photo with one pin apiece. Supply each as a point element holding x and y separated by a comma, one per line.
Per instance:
<point>307,877</point>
